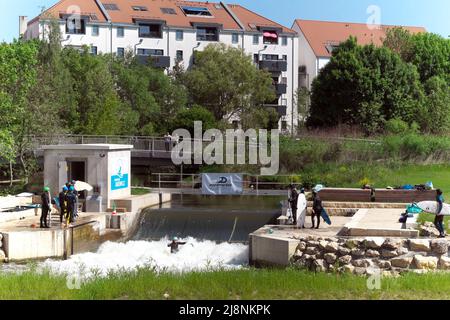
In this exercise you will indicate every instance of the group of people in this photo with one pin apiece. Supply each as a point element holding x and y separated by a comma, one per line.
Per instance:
<point>68,205</point>
<point>317,207</point>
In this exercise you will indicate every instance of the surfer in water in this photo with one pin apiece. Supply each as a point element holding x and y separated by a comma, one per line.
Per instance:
<point>439,220</point>
<point>174,245</point>
<point>293,202</point>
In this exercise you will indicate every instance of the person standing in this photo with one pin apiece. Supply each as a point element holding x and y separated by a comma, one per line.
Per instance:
<point>439,220</point>
<point>168,142</point>
<point>302,199</point>
<point>317,209</point>
<point>63,203</point>
<point>71,203</point>
<point>46,204</point>
<point>293,198</point>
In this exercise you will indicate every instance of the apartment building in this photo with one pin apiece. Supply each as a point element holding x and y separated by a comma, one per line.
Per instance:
<point>172,30</point>
<point>318,39</point>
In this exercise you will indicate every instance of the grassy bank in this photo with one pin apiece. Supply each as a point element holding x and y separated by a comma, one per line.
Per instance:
<point>243,284</point>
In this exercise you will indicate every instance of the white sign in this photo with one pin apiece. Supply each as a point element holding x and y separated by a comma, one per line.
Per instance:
<point>222,184</point>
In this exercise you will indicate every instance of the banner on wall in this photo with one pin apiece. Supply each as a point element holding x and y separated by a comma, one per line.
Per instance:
<point>120,178</point>
<point>222,184</point>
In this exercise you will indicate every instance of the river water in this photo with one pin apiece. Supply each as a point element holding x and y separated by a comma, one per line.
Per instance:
<point>215,231</point>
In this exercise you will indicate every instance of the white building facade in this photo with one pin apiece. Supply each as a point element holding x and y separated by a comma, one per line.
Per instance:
<point>171,31</point>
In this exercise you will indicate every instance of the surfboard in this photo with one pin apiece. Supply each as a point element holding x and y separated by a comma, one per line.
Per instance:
<point>325,217</point>
<point>301,210</point>
<point>432,207</point>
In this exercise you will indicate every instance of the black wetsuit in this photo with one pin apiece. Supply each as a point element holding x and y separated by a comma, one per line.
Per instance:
<point>71,203</point>
<point>317,211</point>
<point>63,205</point>
<point>439,220</point>
<point>174,246</point>
<point>46,203</point>
<point>293,202</point>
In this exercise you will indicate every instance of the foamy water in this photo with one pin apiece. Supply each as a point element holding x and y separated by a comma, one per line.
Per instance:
<point>114,257</point>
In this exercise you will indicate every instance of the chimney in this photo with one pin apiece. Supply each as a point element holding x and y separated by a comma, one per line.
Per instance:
<point>23,25</point>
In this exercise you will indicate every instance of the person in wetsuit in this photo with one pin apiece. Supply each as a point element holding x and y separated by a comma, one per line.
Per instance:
<point>293,202</point>
<point>71,204</point>
<point>63,203</point>
<point>46,205</point>
<point>175,244</point>
<point>317,209</point>
<point>439,220</point>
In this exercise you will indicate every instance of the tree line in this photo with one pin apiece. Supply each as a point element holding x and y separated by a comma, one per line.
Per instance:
<point>405,81</point>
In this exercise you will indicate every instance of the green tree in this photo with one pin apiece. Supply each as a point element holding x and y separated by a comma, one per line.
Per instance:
<point>225,81</point>
<point>436,117</point>
<point>400,41</point>
<point>185,119</point>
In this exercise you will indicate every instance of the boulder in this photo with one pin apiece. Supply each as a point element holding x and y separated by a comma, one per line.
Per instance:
<point>372,253</point>
<point>444,263</point>
<point>311,250</point>
<point>359,271</point>
<point>384,264</point>
<point>298,254</point>
<point>330,258</point>
<point>439,246</point>
<point>361,263</point>
<point>402,261</point>
<point>348,268</point>
<point>1,236</point>
<point>313,243</point>
<point>2,256</point>
<point>344,251</point>
<point>422,245</point>
<point>301,246</point>
<point>387,254</point>
<point>352,243</point>
<point>311,238</point>
<point>345,260</point>
<point>374,242</point>
<point>428,230</point>
<point>358,252</point>
<point>393,244</point>
<point>402,250</point>
<point>332,247</point>
<point>319,265</point>
<point>323,244</point>
<point>429,263</point>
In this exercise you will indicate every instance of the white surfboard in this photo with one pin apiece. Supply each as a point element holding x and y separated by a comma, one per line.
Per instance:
<point>432,207</point>
<point>301,210</point>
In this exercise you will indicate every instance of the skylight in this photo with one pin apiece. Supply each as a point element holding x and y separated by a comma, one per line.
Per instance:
<point>139,8</point>
<point>168,11</point>
<point>111,6</point>
<point>197,11</point>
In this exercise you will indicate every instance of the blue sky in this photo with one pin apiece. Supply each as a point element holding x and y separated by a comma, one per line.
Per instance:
<point>432,14</point>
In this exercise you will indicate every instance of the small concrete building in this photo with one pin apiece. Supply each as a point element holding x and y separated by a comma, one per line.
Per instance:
<point>106,167</point>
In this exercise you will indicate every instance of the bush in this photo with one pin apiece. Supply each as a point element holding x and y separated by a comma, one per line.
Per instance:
<point>396,126</point>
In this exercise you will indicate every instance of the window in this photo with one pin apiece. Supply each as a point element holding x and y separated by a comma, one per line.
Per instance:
<point>94,50</point>
<point>111,6</point>
<point>150,52</point>
<point>284,57</point>
<point>120,32</point>
<point>179,55</point>
<point>331,47</point>
<point>284,41</point>
<point>121,52</point>
<point>95,31</point>
<point>256,58</point>
<point>139,8</point>
<point>271,57</point>
<point>179,35</point>
<point>283,125</point>
<point>168,11</point>
<point>270,37</point>
<point>235,38</point>
<point>256,39</point>
<point>150,31</point>
<point>207,34</point>
<point>196,11</point>
<point>75,26</point>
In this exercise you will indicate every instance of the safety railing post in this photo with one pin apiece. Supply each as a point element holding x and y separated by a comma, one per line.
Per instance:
<point>257,185</point>
<point>159,181</point>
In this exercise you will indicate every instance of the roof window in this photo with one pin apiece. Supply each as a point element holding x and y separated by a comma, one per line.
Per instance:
<point>139,8</point>
<point>197,11</point>
<point>168,11</point>
<point>111,6</point>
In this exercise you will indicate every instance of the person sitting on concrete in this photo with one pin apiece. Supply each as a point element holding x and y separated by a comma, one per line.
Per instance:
<point>63,203</point>
<point>293,198</point>
<point>317,209</point>
<point>46,205</point>
<point>175,244</point>
<point>439,220</point>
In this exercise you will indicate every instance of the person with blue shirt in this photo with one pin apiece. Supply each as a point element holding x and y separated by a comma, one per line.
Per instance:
<point>439,220</point>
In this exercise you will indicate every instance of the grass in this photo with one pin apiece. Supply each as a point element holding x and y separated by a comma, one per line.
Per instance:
<point>139,191</point>
<point>252,284</point>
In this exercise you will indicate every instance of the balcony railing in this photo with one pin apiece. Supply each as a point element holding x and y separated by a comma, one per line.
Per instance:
<point>155,61</point>
<point>281,109</point>
<point>273,65</point>
<point>281,88</point>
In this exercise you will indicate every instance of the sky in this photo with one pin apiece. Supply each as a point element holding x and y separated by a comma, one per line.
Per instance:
<point>434,15</point>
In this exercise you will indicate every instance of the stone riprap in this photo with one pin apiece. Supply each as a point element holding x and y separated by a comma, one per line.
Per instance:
<point>362,255</point>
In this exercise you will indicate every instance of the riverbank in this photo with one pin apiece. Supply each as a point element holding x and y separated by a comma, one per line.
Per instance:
<point>251,284</point>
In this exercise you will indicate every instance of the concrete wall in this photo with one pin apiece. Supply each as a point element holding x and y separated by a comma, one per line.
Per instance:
<point>271,251</point>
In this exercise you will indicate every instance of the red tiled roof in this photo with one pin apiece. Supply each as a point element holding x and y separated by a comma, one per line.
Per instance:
<point>319,34</point>
<point>126,14</point>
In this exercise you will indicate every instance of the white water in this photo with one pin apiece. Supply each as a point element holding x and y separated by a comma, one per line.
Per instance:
<point>115,257</point>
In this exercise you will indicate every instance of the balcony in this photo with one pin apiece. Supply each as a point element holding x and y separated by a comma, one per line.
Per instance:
<point>273,65</point>
<point>155,61</point>
<point>281,109</point>
<point>281,88</point>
